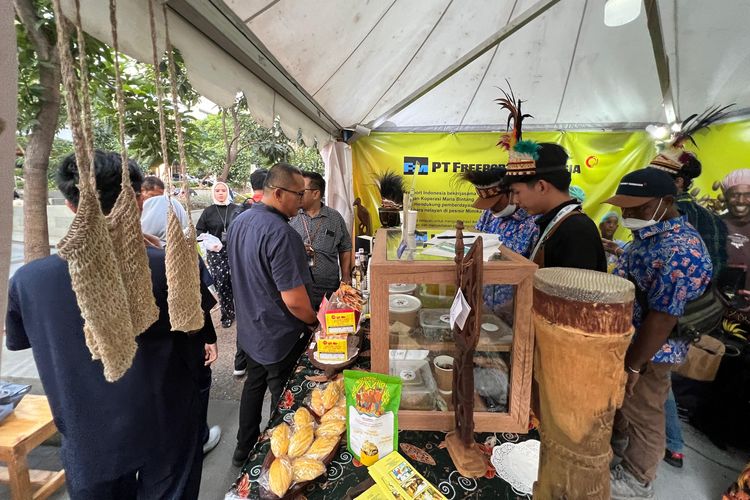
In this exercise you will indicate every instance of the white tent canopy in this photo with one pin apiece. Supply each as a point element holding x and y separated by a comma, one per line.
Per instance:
<point>333,64</point>
<point>360,59</point>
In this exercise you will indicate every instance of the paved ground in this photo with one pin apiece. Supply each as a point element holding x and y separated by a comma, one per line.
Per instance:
<point>707,472</point>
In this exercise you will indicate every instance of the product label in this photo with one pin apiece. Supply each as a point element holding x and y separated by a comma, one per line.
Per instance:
<point>370,436</point>
<point>341,321</point>
<point>332,349</point>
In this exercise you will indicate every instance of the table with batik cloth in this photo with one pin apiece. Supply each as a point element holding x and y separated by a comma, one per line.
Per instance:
<point>421,448</point>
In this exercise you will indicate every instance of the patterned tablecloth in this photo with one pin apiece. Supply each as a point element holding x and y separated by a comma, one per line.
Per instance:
<point>421,448</point>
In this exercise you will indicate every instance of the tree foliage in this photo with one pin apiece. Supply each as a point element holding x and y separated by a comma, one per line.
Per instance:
<point>206,139</point>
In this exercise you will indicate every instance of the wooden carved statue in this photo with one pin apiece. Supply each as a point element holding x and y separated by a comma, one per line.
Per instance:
<point>467,457</point>
<point>364,224</point>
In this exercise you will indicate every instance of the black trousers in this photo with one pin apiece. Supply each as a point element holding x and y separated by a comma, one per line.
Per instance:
<point>259,378</point>
<point>318,292</point>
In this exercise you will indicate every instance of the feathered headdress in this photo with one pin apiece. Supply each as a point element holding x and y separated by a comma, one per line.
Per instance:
<point>488,185</point>
<point>391,186</point>
<point>522,155</point>
<point>673,157</point>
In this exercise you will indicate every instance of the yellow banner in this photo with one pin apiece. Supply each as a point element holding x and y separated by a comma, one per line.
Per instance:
<point>598,160</point>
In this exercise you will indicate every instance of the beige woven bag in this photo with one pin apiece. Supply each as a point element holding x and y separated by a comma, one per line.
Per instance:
<point>183,273</point>
<point>124,221</point>
<point>87,247</point>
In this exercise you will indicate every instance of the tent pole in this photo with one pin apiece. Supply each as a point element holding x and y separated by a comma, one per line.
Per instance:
<point>661,59</point>
<point>506,31</point>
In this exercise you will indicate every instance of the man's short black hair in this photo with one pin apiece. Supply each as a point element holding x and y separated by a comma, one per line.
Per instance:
<point>108,178</point>
<point>550,156</point>
<point>151,183</point>
<point>280,175</point>
<point>258,178</point>
<point>316,181</point>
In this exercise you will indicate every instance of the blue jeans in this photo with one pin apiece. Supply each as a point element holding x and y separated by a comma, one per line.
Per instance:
<point>674,431</point>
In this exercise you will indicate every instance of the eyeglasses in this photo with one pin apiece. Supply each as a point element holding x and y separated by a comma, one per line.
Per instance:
<point>299,194</point>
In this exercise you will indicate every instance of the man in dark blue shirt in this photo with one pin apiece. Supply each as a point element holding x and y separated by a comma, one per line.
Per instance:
<point>138,437</point>
<point>270,274</point>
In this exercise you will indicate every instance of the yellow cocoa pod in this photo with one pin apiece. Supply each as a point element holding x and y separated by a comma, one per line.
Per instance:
<point>302,417</point>
<point>322,446</point>
<point>330,428</point>
<point>301,441</point>
<point>316,402</point>
<point>307,469</point>
<point>280,440</point>
<point>279,477</point>
<point>331,395</point>
<point>335,413</point>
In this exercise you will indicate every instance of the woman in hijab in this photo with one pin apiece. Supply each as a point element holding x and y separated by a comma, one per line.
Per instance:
<point>215,220</point>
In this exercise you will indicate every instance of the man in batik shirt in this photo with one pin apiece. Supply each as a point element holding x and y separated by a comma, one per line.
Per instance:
<point>669,265</point>
<point>516,229</point>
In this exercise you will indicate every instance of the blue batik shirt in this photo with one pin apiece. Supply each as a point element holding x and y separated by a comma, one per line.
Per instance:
<point>670,262</point>
<point>519,232</point>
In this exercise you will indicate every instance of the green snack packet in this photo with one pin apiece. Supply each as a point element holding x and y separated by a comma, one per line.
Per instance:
<point>372,401</point>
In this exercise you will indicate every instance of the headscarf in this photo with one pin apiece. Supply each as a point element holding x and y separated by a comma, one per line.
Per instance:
<point>609,214</point>
<point>736,178</point>
<point>213,194</point>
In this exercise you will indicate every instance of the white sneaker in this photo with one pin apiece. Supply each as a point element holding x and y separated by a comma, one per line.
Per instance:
<point>239,373</point>
<point>625,486</point>
<point>214,435</point>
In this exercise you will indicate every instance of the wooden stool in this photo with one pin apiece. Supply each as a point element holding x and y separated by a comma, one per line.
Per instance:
<point>25,429</point>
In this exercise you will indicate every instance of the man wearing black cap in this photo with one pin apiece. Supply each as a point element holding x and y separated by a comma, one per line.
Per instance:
<point>668,263</point>
<point>539,182</point>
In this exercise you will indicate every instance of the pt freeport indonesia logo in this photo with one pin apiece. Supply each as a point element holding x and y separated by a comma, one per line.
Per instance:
<point>418,164</point>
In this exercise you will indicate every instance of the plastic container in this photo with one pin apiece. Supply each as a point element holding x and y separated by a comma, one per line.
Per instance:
<point>495,328</point>
<point>436,325</point>
<point>418,388</point>
<point>434,296</point>
<point>402,288</point>
<point>404,309</point>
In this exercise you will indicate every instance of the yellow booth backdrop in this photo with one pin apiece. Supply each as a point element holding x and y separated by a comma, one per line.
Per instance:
<point>430,162</point>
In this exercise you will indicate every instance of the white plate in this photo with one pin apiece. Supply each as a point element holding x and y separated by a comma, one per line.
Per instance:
<point>517,464</point>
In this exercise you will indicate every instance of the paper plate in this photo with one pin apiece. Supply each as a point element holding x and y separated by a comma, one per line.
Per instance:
<point>517,464</point>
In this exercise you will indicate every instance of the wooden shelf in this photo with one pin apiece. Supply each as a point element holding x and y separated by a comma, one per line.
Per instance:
<point>485,344</point>
<point>512,270</point>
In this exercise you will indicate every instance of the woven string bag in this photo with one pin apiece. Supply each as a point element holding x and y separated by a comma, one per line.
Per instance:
<point>124,221</point>
<point>87,247</point>
<point>183,273</point>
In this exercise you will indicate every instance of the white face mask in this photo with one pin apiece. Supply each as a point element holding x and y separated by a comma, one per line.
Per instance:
<point>636,224</point>
<point>508,210</point>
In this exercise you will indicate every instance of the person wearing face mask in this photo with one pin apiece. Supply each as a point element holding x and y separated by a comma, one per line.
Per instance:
<point>215,220</point>
<point>669,265</point>
<point>515,228</point>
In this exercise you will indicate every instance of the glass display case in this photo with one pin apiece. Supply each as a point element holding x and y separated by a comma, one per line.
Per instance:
<point>412,288</point>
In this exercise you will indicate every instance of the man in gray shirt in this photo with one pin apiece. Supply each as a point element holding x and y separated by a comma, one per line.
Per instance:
<point>326,237</point>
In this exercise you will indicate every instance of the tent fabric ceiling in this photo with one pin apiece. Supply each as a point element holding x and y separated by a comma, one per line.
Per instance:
<point>358,59</point>
<point>356,62</point>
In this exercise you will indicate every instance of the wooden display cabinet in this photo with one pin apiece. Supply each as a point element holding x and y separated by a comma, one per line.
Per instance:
<point>432,272</point>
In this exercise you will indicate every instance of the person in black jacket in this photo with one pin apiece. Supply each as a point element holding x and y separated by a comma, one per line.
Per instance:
<point>215,220</point>
<point>568,238</point>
